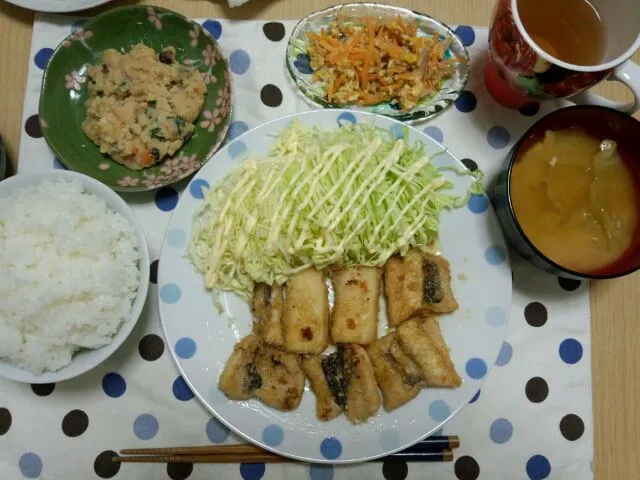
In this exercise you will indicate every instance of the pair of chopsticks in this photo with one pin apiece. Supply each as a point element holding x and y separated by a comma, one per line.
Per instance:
<point>430,449</point>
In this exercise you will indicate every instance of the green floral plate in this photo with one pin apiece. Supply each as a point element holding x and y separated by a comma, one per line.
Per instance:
<point>300,72</point>
<point>64,92</point>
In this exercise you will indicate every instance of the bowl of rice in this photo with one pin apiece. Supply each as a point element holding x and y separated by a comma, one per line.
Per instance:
<point>74,271</point>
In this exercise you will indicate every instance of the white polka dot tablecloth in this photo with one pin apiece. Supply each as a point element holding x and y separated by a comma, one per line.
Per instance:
<point>532,418</point>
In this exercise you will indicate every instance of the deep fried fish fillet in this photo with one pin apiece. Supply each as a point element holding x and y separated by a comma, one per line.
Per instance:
<point>305,318</point>
<point>240,378</point>
<point>270,375</point>
<point>267,304</point>
<point>282,379</point>
<point>398,376</point>
<point>326,406</point>
<point>417,281</point>
<point>421,338</point>
<point>362,395</point>
<point>355,313</point>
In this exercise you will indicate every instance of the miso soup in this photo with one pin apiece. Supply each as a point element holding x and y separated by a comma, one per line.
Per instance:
<point>575,199</point>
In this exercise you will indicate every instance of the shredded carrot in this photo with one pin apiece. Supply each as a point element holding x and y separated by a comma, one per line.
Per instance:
<point>372,61</point>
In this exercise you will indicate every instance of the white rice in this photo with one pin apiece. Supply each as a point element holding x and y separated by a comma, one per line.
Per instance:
<point>68,274</point>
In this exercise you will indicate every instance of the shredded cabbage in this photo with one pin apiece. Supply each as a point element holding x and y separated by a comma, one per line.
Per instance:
<point>354,195</point>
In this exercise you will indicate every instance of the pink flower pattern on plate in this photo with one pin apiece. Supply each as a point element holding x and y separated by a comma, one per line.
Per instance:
<point>193,34</point>
<point>77,35</point>
<point>154,18</point>
<point>153,180</point>
<point>208,78</point>
<point>74,80</point>
<point>209,56</point>
<point>189,163</point>
<point>128,182</point>
<point>209,121</point>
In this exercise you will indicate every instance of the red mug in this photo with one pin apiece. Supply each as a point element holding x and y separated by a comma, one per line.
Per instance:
<point>518,71</point>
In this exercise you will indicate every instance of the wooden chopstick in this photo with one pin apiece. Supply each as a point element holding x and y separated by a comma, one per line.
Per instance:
<point>430,449</point>
<point>268,457</point>
<point>429,443</point>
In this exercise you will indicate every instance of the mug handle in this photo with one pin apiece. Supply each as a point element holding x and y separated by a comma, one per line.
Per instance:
<point>627,73</point>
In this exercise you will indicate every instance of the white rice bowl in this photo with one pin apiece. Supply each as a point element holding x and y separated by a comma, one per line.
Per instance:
<point>74,272</point>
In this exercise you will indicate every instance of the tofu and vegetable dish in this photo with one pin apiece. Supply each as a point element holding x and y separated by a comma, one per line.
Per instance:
<point>142,105</point>
<point>294,324</point>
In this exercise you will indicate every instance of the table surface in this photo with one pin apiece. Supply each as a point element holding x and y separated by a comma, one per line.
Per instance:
<point>615,310</point>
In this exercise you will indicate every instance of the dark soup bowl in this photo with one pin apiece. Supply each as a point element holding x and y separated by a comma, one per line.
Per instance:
<point>600,124</point>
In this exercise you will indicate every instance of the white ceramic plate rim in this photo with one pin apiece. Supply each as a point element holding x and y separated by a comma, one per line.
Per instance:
<point>85,360</point>
<point>57,6</point>
<point>201,395</point>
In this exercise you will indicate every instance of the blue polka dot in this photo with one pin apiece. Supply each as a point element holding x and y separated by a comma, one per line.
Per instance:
<point>216,431</point>
<point>170,293</point>
<point>236,149</point>
<point>166,199</point>
<point>478,203</point>
<point>434,132</point>
<point>237,128</point>
<point>145,426</point>
<point>185,347</point>
<point>495,255</point>
<point>273,435</point>
<point>476,368</point>
<point>570,351</point>
<point>58,164</point>
<point>42,57</point>
<point>466,102</point>
<point>331,448</point>
<point>389,439</point>
<point>320,471</point>
<point>181,390</point>
<point>195,188</point>
<point>496,316</point>
<point>501,430</point>
<point>498,137</point>
<point>30,465</point>
<point>538,467</point>
<point>252,471</point>
<point>213,27</point>
<point>347,117</point>
<point>114,385</point>
<point>466,34</point>
<point>439,410</point>
<point>75,26</point>
<point>506,352</point>
<point>176,238</point>
<point>397,130</point>
<point>239,62</point>
<point>303,63</point>
<point>475,398</point>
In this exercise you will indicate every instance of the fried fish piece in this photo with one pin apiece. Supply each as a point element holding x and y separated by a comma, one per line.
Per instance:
<point>266,373</point>
<point>362,395</point>
<point>305,319</point>
<point>282,378</point>
<point>421,338</point>
<point>267,304</point>
<point>240,379</point>
<point>417,281</point>
<point>398,376</point>
<point>355,313</point>
<point>318,370</point>
<point>437,296</point>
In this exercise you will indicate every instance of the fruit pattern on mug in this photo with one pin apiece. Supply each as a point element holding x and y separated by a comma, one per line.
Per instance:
<point>518,63</point>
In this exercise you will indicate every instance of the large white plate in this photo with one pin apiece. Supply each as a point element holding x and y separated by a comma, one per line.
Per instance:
<point>58,6</point>
<point>201,339</point>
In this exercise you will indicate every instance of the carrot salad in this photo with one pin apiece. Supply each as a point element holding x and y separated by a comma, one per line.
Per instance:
<point>378,61</point>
